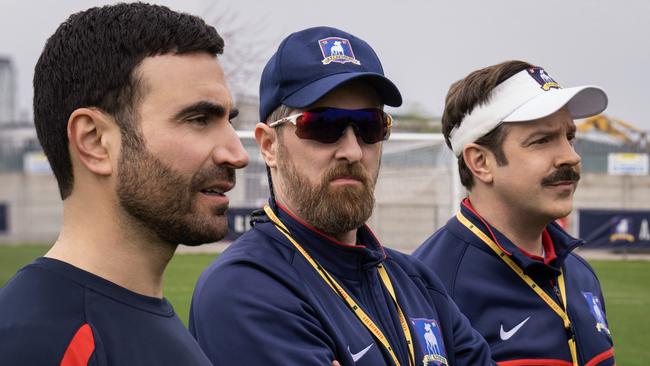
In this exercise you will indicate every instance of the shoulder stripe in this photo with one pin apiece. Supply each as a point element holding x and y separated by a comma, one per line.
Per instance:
<point>535,362</point>
<point>80,349</point>
<point>601,357</point>
<point>552,362</point>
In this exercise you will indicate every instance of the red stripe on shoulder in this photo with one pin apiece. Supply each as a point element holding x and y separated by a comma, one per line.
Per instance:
<point>601,357</point>
<point>535,362</point>
<point>80,348</point>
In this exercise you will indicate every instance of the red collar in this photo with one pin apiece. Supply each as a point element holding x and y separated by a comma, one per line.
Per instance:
<point>549,249</point>
<point>547,242</point>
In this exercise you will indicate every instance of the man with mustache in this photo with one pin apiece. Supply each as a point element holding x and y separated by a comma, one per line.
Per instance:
<point>506,263</point>
<point>310,283</point>
<point>133,111</point>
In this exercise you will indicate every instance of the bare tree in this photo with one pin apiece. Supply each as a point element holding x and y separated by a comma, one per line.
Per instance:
<point>247,46</point>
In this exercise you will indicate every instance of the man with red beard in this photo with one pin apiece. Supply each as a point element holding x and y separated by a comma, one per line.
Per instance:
<point>133,111</point>
<point>505,262</point>
<point>310,283</point>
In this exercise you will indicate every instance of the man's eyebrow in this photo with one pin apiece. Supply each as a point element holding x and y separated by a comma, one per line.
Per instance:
<point>544,131</point>
<point>204,107</point>
<point>548,131</point>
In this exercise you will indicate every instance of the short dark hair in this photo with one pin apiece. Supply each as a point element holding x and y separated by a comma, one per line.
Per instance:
<point>90,61</point>
<point>465,95</point>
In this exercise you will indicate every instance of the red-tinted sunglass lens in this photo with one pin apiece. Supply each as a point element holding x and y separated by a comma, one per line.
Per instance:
<point>314,125</point>
<point>327,125</point>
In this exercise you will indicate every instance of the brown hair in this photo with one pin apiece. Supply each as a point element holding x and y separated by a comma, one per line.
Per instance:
<point>282,111</point>
<point>466,94</point>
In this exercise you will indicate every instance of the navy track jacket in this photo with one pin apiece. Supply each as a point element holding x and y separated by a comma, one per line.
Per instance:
<point>52,313</point>
<point>262,303</point>
<point>519,326</point>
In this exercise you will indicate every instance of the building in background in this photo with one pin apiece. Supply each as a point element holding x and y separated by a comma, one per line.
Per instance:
<point>7,91</point>
<point>415,193</point>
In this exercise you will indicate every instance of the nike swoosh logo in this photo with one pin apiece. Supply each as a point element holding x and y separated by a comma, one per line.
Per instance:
<point>507,335</point>
<point>357,356</point>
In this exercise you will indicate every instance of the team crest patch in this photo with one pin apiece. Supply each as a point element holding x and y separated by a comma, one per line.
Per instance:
<point>622,230</point>
<point>543,79</point>
<point>597,311</point>
<point>336,49</point>
<point>430,337</point>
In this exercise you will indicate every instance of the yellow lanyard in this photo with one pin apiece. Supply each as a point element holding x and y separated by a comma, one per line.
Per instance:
<point>520,272</point>
<point>358,311</point>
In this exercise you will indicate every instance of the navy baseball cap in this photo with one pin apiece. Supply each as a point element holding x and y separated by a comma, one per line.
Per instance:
<point>310,63</point>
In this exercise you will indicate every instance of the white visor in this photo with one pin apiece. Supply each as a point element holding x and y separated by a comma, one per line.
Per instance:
<point>528,95</point>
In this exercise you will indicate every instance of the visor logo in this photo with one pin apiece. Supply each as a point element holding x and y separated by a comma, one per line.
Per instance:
<point>336,49</point>
<point>543,79</point>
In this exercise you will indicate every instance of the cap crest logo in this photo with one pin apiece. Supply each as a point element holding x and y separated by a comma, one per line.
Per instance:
<point>336,49</point>
<point>543,79</point>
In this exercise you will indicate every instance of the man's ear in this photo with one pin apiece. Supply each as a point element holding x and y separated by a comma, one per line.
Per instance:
<point>91,134</point>
<point>267,140</point>
<point>480,161</point>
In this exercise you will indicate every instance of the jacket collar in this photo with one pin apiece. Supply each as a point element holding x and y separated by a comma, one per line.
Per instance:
<point>563,243</point>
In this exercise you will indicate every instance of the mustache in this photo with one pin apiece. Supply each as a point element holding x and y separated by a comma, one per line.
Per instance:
<point>220,174</point>
<point>563,174</point>
<point>355,170</point>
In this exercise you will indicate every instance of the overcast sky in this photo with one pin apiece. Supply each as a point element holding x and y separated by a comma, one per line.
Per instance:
<point>424,45</point>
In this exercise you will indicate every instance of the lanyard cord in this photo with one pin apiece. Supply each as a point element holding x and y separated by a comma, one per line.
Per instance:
<point>356,309</point>
<point>559,310</point>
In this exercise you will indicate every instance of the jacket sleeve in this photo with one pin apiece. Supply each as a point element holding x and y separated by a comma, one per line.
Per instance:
<point>245,315</point>
<point>470,348</point>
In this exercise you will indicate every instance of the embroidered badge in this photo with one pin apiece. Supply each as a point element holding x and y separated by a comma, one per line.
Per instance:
<point>430,337</point>
<point>542,78</point>
<point>336,49</point>
<point>597,311</point>
<point>622,229</point>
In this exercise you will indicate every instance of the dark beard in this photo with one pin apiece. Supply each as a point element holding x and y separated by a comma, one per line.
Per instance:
<point>164,201</point>
<point>332,210</point>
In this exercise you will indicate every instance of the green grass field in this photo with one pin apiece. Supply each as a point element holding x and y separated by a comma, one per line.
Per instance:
<point>626,285</point>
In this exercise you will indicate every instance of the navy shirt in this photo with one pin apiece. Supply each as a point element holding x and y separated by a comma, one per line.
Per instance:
<point>519,326</point>
<point>52,313</point>
<point>262,303</point>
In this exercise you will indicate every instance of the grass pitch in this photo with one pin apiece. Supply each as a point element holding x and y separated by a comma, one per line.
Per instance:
<point>626,285</point>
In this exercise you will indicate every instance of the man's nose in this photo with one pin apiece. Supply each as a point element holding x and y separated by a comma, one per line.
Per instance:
<point>348,146</point>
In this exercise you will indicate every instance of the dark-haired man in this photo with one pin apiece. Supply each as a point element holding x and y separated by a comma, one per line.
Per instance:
<point>312,282</point>
<point>132,110</point>
<point>505,262</point>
